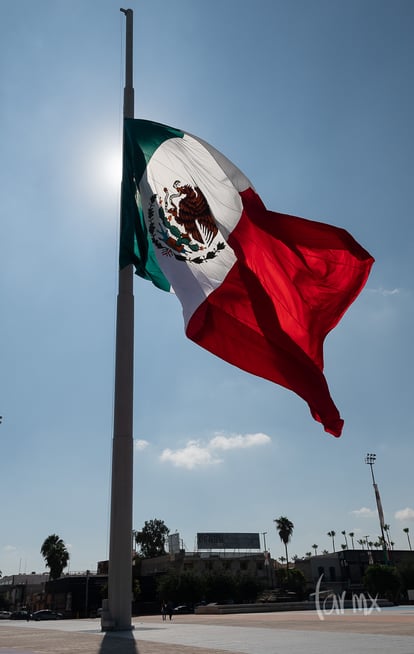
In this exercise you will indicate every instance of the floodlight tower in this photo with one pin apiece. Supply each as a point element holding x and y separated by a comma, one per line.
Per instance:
<point>370,460</point>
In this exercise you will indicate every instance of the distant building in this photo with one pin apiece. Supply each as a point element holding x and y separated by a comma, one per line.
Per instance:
<point>74,595</point>
<point>22,590</point>
<point>77,595</point>
<point>345,570</point>
<point>202,562</point>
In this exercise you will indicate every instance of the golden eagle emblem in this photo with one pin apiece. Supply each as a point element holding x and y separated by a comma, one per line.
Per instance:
<point>192,212</point>
<point>182,225</point>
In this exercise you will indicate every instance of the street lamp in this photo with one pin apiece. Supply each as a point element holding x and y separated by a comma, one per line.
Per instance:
<point>370,460</point>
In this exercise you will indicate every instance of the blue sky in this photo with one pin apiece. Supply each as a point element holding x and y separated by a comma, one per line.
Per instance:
<point>313,100</point>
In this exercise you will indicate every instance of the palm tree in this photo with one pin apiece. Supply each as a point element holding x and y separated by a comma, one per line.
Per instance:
<point>55,554</point>
<point>308,554</point>
<point>382,542</point>
<point>351,536</point>
<point>332,535</point>
<point>285,529</point>
<point>315,547</point>
<point>406,530</point>
<point>361,542</point>
<point>346,542</point>
<point>387,533</point>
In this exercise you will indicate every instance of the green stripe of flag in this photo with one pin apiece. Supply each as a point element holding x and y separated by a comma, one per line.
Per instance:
<point>141,139</point>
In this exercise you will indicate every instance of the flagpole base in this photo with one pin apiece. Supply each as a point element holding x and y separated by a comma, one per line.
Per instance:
<point>108,623</point>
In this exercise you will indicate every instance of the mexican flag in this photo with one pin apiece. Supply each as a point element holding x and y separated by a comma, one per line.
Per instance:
<point>258,288</point>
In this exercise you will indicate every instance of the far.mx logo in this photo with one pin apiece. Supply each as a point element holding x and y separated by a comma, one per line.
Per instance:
<point>335,604</point>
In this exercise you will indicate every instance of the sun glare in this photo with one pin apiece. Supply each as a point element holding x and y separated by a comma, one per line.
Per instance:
<point>99,174</point>
<point>111,169</point>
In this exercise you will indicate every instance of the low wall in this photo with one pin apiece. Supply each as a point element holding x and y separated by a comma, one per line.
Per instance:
<point>272,607</point>
<point>266,607</point>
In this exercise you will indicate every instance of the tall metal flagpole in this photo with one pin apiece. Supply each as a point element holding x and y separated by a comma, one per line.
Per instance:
<point>116,613</point>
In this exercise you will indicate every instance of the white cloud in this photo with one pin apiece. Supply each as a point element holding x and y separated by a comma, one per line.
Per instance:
<point>394,291</point>
<point>191,456</point>
<point>405,514</point>
<point>385,291</point>
<point>237,441</point>
<point>196,453</point>
<point>364,512</point>
<point>140,445</point>
<point>9,548</point>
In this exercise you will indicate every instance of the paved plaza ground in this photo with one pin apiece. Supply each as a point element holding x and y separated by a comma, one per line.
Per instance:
<point>385,631</point>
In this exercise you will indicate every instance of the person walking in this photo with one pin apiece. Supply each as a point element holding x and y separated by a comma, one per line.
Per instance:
<point>163,611</point>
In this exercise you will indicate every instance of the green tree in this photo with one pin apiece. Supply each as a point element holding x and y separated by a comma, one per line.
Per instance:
<point>220,587</point>
<point>352,535</point>
<point>406,531</point>
<point>152,539</point>
<point>247,589</point>
<point>190,588</point>
<point>55,554</point>
<point>295,581</point>
<point>136,589</point>
<point>284,528</point>
<point>167,587</point>
<point>383,580</point>
<point>407,575</point>
<point>184,588</point>
<point>387,536</point>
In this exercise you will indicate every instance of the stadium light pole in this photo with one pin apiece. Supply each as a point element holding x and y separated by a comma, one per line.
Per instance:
<point>370,460</point>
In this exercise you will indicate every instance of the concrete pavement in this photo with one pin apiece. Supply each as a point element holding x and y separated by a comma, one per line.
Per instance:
<point>382,632</point>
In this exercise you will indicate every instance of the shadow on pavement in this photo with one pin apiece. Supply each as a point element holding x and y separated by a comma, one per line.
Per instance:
<point>113,644</point>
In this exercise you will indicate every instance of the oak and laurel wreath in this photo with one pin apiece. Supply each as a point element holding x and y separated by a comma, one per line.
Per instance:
<point>211,254</point>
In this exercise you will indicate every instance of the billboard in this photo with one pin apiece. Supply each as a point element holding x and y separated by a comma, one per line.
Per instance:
<point>226,541</point>
<point>174,543</point>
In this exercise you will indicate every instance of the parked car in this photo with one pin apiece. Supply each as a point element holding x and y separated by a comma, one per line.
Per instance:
<point>20,615</point>
<point>46,614</point>
<point>5,615</point>
<point>183,609</point>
